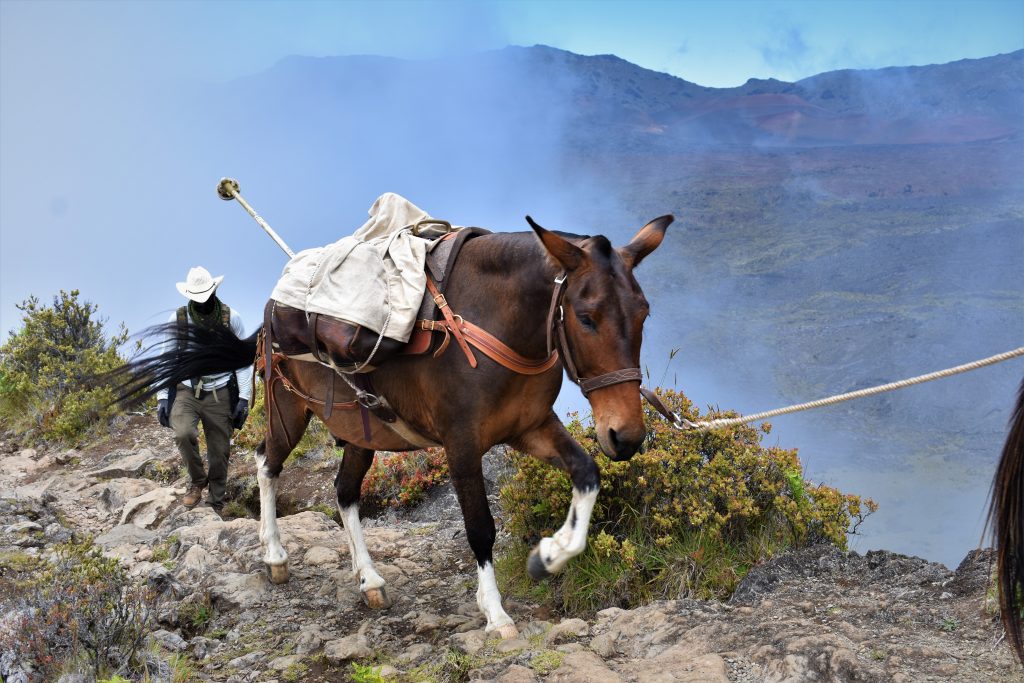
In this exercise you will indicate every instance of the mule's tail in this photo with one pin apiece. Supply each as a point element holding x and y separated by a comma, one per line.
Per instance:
<point>178,354</point>
<point>1006,514</point>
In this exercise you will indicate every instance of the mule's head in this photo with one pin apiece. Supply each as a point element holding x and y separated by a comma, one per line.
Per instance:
<point>603,313</point>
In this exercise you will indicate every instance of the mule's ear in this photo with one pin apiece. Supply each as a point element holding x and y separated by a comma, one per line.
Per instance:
<point>645,241</point>
<point>567,254</point>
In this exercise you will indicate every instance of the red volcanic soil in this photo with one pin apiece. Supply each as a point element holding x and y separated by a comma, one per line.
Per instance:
<point>790,118</point>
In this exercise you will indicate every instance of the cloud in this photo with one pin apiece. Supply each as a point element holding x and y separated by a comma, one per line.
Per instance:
<point>785,49</point>
<point>683,48</point>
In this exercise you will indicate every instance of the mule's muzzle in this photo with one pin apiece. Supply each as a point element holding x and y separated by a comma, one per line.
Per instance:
<point>621,445</point>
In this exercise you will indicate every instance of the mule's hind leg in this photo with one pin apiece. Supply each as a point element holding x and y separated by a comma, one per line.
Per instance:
<point>289,422</point>
<point>348,483</point>
<point>553,443</point>
<point>468,480</point>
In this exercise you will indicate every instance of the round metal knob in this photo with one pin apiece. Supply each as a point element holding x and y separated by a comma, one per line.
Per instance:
<point>226,188</point>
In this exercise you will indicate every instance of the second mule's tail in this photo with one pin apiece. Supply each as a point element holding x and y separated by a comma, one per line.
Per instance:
<point>182,353</point>
<point>1006,515</point>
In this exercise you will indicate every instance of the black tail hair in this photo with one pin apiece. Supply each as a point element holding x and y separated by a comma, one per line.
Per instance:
<point>1006,515</point>
<point>176,354</point>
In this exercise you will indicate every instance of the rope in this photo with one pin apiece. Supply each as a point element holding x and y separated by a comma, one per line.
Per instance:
<point>849,396</point>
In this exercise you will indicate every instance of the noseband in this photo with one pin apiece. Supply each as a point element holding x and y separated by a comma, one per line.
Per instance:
<point>556,326</point>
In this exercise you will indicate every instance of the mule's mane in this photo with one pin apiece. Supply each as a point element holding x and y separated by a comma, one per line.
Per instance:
<point>602,246</point>
<point>513,251</point>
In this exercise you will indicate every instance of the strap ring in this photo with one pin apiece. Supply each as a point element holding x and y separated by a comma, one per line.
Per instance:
<point>368,400</point>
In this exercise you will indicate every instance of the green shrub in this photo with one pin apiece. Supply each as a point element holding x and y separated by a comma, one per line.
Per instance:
<point>403,479</point>
<point>80,609</point>
<point>366,673</point>
<point>688,517</point>
<point>46,366</point>
<point>323,508</point>
<point>194,615</point>
<point>252,433</point>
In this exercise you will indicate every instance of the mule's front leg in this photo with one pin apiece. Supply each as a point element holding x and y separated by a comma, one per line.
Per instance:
<point>552,553</point>
<point>468,480</point>
<point>275,556</point>
<point>553,444</point>
<point>347,484</point>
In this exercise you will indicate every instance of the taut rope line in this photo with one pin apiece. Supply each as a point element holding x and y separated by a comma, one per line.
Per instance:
<point>849,396</point>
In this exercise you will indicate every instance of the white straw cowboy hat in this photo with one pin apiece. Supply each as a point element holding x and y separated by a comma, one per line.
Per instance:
<point>199,285</point>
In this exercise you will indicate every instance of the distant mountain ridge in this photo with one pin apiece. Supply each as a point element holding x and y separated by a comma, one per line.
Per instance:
<point>966,100</point>
<point>963,101</point>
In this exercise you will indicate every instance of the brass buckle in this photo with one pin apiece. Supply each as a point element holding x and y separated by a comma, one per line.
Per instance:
<point>431,221</point>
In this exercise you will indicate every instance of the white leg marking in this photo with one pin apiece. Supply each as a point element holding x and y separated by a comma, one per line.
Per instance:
<point>489,599</point>
<point>270,537</point>
<point>571,539</point>
<point>362,565</point>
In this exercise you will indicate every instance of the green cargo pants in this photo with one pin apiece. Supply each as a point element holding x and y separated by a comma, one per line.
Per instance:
<point>213,408</point>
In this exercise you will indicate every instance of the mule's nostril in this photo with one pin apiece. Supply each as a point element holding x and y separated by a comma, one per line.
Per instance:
<point>622,444</point>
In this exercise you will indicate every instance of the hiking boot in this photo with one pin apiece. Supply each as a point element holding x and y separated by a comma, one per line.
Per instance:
<point>192,496</point>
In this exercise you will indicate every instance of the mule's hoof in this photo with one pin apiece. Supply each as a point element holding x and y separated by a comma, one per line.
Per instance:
<point>278,573</point>
<point>535,566</point>
<point>507,632</point>
<point>376,598</point>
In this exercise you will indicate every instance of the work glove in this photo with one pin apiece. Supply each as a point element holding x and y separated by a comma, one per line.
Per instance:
<point>240,413</point>
<point>162,413</point>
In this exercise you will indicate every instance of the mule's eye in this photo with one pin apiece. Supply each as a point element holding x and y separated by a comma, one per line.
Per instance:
<point>587,322</point>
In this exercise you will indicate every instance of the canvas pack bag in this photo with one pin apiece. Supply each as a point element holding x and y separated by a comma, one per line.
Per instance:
<point>356,301</point>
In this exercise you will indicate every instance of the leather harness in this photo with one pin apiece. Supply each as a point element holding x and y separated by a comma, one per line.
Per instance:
<point>556,325</point>
<point>466,335</point>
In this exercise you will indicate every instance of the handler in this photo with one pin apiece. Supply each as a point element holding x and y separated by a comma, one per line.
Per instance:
<point>221,401</point>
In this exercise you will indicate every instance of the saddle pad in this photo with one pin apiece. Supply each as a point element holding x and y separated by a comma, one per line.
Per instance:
<point>373,278</point>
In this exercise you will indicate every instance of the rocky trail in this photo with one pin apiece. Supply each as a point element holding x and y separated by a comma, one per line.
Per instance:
<point>814,615</point>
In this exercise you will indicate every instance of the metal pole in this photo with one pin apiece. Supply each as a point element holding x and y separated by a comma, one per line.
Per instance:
<point>227,190</point>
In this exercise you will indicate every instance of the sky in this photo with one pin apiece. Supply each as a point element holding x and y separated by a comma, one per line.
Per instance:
<point>91,185</point>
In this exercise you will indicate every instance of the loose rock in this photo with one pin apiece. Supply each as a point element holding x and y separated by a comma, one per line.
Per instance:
<point>350,647</point>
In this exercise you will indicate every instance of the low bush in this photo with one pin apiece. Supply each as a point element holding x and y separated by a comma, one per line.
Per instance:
<point>403,479</point>
<point>686,518</point>
<point>45,370</point>
<point>252,433</point>
<point>79,612</point>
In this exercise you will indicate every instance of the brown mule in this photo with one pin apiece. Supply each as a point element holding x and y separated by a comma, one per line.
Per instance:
<point>1006,515</point>
<point>507,284</point>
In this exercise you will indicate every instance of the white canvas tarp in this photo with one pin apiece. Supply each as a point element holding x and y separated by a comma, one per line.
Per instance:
<point>362,278</point>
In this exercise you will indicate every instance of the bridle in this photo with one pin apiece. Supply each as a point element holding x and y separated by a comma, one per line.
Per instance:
<point>556,328</point>
<point>556,337</point>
